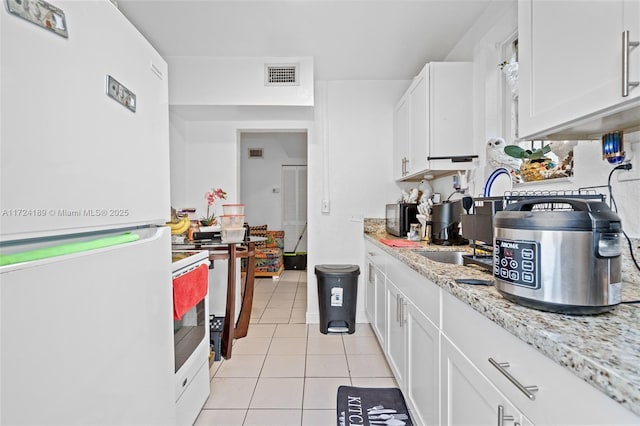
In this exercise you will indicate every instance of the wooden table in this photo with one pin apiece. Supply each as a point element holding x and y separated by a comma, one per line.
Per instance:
<point>230,251</point>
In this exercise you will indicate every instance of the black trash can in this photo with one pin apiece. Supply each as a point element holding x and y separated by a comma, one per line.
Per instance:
<point>337,297</point>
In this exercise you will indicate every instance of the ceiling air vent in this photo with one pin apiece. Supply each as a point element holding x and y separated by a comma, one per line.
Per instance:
<point>256,153</point>
<point>281,75</point>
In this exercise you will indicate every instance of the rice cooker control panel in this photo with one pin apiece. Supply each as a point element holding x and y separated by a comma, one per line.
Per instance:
<point>517,262</point>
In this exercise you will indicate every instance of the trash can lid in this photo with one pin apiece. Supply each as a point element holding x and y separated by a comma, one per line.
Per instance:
<point>337,270</point>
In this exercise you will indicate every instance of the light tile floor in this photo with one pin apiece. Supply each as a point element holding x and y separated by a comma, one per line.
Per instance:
<point>285,372</point>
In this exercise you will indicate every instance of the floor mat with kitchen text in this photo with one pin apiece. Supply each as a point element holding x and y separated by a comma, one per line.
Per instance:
<point>372,406</point>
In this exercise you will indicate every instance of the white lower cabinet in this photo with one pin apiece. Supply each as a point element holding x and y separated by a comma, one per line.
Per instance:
<point>413,355</point>
<point>380,323</point>
<point>370,289</point>
<point>375,306</point>
<point>548,393</point>
<point>438,348</point>
<point>468,397</point>
<point>422,382</point>
<point>396,336</point>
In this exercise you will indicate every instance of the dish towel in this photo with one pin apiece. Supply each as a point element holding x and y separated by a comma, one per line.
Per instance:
<point>400,243</point>
<point>189,289</point>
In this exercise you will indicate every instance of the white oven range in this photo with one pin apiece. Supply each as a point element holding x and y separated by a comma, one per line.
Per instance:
<point>191,343</point>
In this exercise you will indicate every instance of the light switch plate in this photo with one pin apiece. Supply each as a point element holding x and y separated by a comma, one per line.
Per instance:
<point>121,94</point>
<point>41,13</point>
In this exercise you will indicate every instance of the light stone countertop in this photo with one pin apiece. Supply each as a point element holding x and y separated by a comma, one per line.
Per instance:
<point>603,350</point>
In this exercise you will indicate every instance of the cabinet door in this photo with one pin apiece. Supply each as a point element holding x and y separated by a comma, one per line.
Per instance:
<point>401,140</point>
<point>370,290</point>
<point>468,398</point>
<point>419,123</point>
<point>450,112</point>
<point>379,324</point>
<point>570,56</point>
<point>423,367</point>
<point>396,335</point>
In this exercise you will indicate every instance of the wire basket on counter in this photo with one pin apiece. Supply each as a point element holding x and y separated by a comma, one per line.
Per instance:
<point>511,197</point>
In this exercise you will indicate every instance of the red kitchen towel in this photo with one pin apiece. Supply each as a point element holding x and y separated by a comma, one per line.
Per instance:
<point>189,289</point>
<point>400,243</point>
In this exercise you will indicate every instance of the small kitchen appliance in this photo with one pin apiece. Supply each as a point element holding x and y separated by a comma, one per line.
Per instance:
<point>558,255</point>
<point>399,217</point>
<point>445,227</point>
<point>477,227</point>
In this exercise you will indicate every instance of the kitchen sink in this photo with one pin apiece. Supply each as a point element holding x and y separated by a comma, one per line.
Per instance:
<point>453,257</point>
<point>485,262</point>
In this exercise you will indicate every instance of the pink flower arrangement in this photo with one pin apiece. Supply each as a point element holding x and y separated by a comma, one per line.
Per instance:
<point>211,197</point>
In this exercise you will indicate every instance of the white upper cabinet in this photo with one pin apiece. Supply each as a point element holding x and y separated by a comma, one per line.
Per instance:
<point>434,121</point>
<point>402,137</point>
<point>571,67</point>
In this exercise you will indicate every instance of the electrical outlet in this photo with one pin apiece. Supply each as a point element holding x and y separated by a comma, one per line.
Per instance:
<point>325,206</point>
<point>628,175</point>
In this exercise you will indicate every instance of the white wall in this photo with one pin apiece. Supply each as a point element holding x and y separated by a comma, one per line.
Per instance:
<point>199,80</point>
<point>259,177</point>
<point>349,165</point>
<point>212,151</point>
<point>178,160</point>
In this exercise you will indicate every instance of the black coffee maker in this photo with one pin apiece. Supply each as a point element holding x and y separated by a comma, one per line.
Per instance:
<point>445,227</point>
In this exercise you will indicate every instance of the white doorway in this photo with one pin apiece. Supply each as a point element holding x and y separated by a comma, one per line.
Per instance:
<point>294,207</point>
<point>263,154</point>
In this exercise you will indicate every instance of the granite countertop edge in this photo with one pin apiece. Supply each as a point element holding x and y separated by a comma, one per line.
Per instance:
<point>549,333</point>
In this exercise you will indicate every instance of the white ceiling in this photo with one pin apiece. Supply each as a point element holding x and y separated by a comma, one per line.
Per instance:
<point>349,39</point>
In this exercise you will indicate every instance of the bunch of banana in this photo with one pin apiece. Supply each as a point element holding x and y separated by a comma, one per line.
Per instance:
<point>179,225</point>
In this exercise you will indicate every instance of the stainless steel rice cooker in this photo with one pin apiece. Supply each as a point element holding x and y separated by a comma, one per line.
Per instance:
<point>558,255</point>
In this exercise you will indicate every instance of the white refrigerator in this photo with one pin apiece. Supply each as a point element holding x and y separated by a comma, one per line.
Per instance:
<point>86,337</point>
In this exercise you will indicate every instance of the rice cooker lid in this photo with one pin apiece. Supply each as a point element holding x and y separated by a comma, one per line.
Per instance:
<point>584,216</point>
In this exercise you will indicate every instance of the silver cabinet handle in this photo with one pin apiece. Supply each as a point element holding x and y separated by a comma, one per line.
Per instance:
<point>502,417</point>
<point>527,390</point>
<point>627,45</point>
<point>405,169</point>
<point>397,307</point>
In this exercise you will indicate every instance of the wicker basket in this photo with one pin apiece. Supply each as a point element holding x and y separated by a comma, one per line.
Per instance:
<point>533,170</point>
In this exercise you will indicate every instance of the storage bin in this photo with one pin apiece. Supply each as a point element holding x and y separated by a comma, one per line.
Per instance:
<point>295,260</point>
<point>232,221</point>
<point>231,209</point>
<point>232,234</point>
